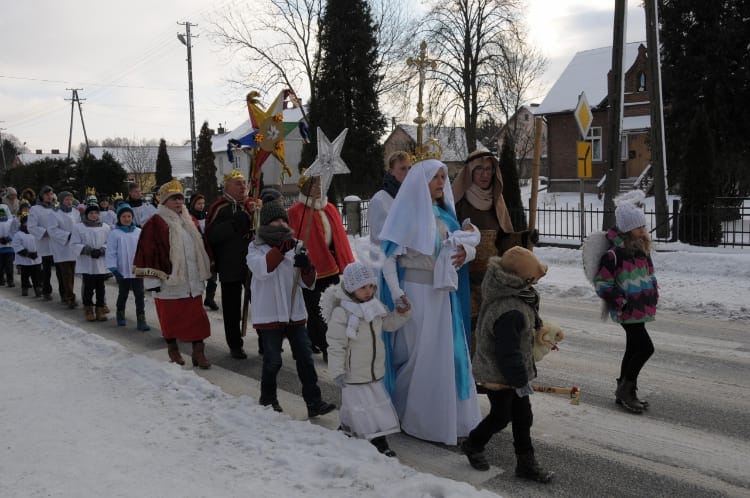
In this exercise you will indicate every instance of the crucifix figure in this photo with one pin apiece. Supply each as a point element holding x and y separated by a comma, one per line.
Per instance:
<point>421,63</point>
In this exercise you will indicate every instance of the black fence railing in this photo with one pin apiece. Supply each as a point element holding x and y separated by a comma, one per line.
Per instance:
<point>567,225</point>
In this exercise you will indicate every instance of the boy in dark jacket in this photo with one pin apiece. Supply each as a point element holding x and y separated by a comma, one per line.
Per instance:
<point>504,359</point>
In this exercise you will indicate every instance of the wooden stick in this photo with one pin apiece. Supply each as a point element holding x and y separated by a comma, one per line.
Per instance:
<point>535,166</point>
<point>574,392</point>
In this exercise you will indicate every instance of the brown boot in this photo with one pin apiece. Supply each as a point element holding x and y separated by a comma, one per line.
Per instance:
<point>174,353</point>
<point>199,359</point>
<point>89,313</point>
<point>101,315</point>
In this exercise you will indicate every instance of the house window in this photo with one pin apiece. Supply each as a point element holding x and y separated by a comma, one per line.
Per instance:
<point>642,82</point>
<point>595,137</point>
<point>624,148</point>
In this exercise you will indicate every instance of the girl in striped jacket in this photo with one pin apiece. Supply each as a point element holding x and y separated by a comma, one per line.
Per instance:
<point>626,282</point>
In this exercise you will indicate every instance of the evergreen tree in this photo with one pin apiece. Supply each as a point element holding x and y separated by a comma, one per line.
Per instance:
<point>54,172</point>
<point>345,96</point>
<point>706,63</point>
<point>699,220</point>
<point>205,168</point>
<point>163,164</point>
<point>511,188</point>
<point>106,175</point>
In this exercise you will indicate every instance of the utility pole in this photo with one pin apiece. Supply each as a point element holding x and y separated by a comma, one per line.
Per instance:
<point>612,183</point>
<point>73,99</point>
<point>185,40</point>
<point>658,151</point>
<point>2,149</point>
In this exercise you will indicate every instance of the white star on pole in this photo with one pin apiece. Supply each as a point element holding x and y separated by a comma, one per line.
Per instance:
<point>328,162</point>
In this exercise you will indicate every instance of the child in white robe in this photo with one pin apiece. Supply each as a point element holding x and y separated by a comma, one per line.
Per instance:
<point>356,354</point>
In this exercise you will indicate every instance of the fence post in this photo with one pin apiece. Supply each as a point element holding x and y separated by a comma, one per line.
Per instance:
<point>675,220</point>
<point>353,213</point>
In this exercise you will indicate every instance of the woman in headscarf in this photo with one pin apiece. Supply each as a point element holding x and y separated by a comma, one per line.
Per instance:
<point>171,259</point>
<point>429,372</point>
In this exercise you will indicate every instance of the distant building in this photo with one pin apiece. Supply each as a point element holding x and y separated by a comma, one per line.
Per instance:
<point>521,127</point>
<point>139,162</point>
<point>271,168</point>
<point>451,139</point>
<point>589,72</point>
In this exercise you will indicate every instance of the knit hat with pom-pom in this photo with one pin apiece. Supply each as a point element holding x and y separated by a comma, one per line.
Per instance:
<point>357,275</point>
<point>629,213</point>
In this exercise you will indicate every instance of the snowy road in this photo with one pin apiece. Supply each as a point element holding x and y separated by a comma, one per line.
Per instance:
<point>694,441</point>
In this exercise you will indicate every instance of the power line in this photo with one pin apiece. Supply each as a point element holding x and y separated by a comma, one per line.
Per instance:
<point>89,83</point>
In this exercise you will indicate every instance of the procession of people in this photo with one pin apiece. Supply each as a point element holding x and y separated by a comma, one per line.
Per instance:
<point>451,308</point>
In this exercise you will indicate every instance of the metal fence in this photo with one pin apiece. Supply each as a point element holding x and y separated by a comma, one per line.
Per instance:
<point>567,225</point>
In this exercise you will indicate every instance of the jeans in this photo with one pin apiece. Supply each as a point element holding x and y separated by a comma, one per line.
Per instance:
<point>505,406</point>
<point>316,325</point>
<point>125,285</point>
<point>300,344</point>
<point>6,266</point>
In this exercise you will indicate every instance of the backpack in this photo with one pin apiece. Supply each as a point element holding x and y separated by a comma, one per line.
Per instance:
<point>594,247</point>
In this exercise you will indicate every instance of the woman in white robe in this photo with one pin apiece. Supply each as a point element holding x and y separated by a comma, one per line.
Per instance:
<point>431,383</point>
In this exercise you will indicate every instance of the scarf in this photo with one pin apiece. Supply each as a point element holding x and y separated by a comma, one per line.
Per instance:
<point>479,198</point>
<point>66,209</point>
<point>367,311</point>
<point>273,235</point>
<point>391,185</point>
<point>134,203</point>
<point>125,228</point>
<point>176,222</point>
<point>92,223</point>
<point>530,296</point>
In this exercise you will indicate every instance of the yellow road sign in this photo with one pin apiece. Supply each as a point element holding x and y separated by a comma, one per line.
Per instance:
<point>583,115</point>
<point>584,159</point>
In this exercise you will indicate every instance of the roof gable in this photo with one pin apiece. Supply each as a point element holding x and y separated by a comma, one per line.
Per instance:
<point>586,72</point>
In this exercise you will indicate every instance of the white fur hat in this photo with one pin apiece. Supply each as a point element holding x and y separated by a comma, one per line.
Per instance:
<point>357,275</point>
<point>629,213</point>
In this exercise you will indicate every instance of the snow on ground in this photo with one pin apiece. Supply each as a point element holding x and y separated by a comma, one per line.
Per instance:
<point>82,416</point>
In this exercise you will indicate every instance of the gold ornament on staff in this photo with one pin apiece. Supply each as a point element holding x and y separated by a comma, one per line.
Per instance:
<point>431,150</point>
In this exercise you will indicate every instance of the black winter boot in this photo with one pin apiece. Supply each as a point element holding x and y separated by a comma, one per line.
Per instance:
<point>528,468</point>
<point>475,455</point>
<point>141,324</point>
<point>643,402</point>
<point>381,443</point>
<point>625,396</point>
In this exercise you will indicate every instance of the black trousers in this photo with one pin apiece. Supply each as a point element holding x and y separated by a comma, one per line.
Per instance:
<point>231,309</point>
<point>6,266</point>
<point>93,284</point>
<point>316,325</point>
<point>30,276</point>
<point>505,406</point>
<point>47,263</point>
<point>638,349</point>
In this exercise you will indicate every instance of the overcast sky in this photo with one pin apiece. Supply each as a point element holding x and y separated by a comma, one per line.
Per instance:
<point>132,70</point>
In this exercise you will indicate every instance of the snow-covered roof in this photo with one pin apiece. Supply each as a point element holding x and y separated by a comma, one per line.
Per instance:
<point>219,141</point>
<point>31,157</point>
<point>586,72</point>
<point>452,139</point>
<point>179,157</point>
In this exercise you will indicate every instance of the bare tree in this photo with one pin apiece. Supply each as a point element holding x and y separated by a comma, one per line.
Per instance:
<point>470,40</point>
<point>277,46</point>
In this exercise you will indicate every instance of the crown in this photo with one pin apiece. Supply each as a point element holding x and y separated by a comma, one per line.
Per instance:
<point>169,189</point>
<point>117,196</point>
<point>90,191</point>
<point>233,175</point>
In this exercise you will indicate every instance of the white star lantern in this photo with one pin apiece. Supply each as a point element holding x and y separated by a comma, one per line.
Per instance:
<point>328,162</point>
